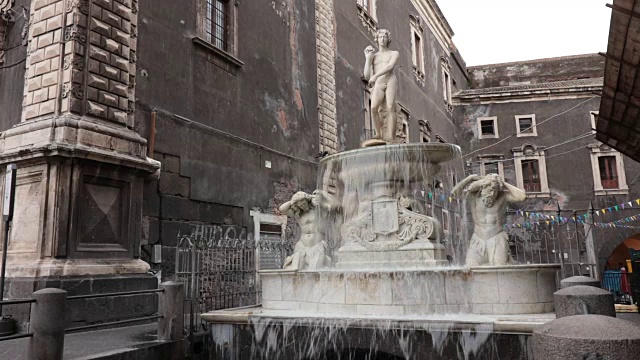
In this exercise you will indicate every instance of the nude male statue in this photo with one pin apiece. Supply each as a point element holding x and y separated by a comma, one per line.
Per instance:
<point>310,251</point>
<point>488,197</point>
<point>378,71</point>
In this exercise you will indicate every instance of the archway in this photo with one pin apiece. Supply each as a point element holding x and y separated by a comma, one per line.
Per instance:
<point>621,254</point>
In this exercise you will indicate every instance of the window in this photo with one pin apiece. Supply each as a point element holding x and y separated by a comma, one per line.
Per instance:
<point>367,5</point>
<point>531,170</point>
<point>216,23</point>
<point>367,14</point>
<point>445,220</point>
<point>608,172</point>
<point>488,127</point>
<point>531,175</point>
<point>491,164</point>
<point>594,120</point>
<point>446,86</point>
<point>607,166</point>
<point>425,131</point>
<point>526,125</point>
<point>216,28</point>
<point>417,49</point>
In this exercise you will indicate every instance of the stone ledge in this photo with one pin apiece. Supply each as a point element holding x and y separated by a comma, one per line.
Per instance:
<point>71,267</point>
<point>219,53</point>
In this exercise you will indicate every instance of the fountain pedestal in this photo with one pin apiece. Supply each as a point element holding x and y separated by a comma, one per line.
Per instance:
<point>413,255</point>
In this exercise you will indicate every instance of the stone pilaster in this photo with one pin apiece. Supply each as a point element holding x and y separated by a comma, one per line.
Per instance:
<point>80,164</point>
<point>326,63</point>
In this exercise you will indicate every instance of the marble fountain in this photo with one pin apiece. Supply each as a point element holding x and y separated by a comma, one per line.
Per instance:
<point>369,277</point>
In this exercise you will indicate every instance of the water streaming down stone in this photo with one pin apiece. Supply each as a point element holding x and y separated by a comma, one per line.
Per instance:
<point>391,290</point>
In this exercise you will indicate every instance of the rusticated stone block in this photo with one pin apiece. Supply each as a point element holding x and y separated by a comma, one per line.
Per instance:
<point>118,88</point>
<point>98,54</point>
<point>96,109</point>
<point>100,27</point>
<point>107,98</point>
<point>118,116</point>
<point>106,4</point>
<point>98,82</point>
<point>111,18</point>
<point>174,184</point>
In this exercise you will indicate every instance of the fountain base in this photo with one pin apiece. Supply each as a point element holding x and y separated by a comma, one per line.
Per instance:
<point>514,289</point>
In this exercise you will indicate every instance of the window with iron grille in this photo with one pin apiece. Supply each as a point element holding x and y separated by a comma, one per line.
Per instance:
<point>608,172</point>
<point>216,23</point>
<point>531,176</point>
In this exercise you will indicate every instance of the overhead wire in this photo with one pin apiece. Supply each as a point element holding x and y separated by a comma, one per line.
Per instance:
<point>530,127</point>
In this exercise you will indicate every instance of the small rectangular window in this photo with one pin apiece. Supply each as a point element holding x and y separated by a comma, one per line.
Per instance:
<point>526,125</point>
<point>531,176</point>
<point>487,128</point>
<point>491,168</point>
<point>608,172</point>
<point>418,50</point>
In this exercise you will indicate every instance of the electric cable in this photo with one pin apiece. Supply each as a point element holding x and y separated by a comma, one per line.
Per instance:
<point>530,127</point>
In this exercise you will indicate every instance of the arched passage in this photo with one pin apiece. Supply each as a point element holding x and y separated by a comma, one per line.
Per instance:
<point>608,241</point>
<point>620,254</point>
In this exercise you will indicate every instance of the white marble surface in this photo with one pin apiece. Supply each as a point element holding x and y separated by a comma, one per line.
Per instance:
<point>520,289</point>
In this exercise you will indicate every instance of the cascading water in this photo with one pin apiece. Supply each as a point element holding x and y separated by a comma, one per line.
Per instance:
<point>396,287</point>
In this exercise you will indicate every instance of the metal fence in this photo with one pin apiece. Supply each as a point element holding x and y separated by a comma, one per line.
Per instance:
<point>223,273</point>
<point>620,284</point>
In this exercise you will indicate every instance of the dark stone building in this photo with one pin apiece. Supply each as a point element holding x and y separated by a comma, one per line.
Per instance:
<point>533,123</point>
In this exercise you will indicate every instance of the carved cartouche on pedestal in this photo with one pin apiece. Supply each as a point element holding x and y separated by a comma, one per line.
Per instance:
<point>382,228</point>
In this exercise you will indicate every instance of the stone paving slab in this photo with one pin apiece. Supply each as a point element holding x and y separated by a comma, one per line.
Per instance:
<point>88,345</point>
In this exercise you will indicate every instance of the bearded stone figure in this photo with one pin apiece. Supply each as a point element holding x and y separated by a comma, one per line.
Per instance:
<point>488,197</point>
<point>310,251</point>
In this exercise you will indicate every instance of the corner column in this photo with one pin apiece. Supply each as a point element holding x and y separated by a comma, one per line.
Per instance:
<point>81,166</point>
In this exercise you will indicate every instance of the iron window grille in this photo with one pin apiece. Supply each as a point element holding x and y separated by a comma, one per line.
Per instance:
<point>217,21</point>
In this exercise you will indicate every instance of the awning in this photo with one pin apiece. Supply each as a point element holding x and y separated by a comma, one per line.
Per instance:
<point>618,122</point>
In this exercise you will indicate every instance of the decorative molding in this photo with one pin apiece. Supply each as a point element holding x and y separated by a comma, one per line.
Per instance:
<point>532,152</point>
<point>75,32</point>
<point>81,5</point>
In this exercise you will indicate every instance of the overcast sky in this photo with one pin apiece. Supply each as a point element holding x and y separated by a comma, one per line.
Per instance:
<point>496,31</point>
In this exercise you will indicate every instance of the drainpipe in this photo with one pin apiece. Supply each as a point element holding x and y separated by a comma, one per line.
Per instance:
<point>151,143</point>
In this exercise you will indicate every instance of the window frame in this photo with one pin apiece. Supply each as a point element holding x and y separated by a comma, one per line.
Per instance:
<point>531,152</point>
<point>404,124</point>
<point>446,86</point>
<point>446,225</point>
<point>594,122</point>
<point>534,127</point>
<point>491,158</point>
<point>417,49</point>
<point>230,54</point>
<point>601,150</point>
<point>425,131</point>
<point>495,127</point>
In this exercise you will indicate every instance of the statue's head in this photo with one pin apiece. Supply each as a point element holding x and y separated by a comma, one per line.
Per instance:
<point>383,37</point>
<point>491,189</point>
<point>300,202</point>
